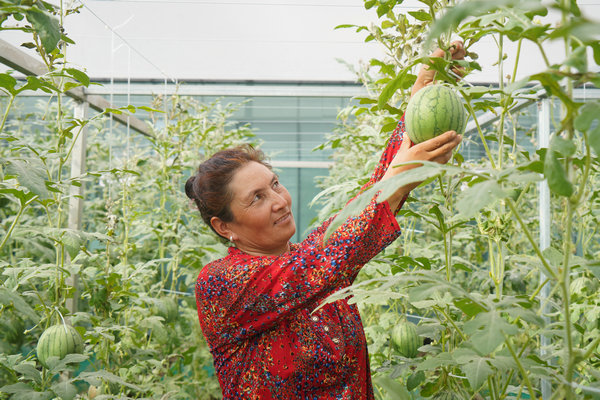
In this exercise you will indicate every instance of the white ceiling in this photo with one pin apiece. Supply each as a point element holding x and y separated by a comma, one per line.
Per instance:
<point>274,40</point>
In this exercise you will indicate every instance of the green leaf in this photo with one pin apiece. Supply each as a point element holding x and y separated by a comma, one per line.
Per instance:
<point>596,50</point>
<point>65,390</point>
<point>79,76</point>
<point>584,30</point>
<point>9,297</point>
<point>439,360</point>
<point>403,81</point>
<point>415,380</point>
<point>8,82</point>
<point>478,196</point>
<point>477,372</point>
<point>29,371</point>
<point>584,122</point>
<point>578,59</point>
<point>556,175</point>
<point>421,15</point>
<point>488,330</point>
<point>72,242</point>
<point>47,28</point>
<point>394,390</point>
<point>30,176</point>
<point>550,82</point>
<point>474,8</point>
<point>562,146</point>
<point>22,391</point>
<point>95,378</point>
<point>469,306</point>
<point>382,10</point>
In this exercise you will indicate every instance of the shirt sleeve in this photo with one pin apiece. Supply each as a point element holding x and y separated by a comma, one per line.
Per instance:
<point>392,147</point>
<point>249,295</point>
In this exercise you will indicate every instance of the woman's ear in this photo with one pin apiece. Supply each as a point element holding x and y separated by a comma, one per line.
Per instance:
<point>222,228</point>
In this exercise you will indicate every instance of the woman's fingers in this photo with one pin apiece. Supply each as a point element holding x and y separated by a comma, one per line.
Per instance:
<point>457,50</point>
<point>446,148</point>
<point>438,141</point>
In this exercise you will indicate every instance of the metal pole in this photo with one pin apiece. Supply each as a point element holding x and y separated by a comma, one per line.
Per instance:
<point>76,192</point>
<point>544,218</point>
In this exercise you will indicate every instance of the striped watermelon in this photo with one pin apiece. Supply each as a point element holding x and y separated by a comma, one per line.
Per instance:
<point>433,110</point>
<point>58,340</point>
<point>406,340</point>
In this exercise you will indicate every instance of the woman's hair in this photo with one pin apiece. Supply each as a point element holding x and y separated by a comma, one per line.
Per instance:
<point>209,187</point>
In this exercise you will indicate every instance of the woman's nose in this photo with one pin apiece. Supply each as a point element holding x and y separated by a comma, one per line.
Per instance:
<point>278,201</point>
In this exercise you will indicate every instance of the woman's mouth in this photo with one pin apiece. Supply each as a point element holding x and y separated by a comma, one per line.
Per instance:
<point>283,219</point>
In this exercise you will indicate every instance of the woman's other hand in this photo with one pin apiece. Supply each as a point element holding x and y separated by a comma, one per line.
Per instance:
<point>426,75</point>
<point>438,149</point>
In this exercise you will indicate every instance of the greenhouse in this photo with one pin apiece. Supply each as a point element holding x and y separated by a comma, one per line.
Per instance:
<point>149,251</point>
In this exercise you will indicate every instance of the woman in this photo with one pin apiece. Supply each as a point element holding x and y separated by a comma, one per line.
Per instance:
<point>256,304</point>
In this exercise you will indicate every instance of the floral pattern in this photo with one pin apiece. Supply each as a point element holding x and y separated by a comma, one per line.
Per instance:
<point>257,312</point>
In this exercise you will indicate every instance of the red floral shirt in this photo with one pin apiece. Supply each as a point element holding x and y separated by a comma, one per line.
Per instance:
<point>256,312</point>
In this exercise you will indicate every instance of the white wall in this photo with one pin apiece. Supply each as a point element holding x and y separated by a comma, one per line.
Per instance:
<point>244,40</point>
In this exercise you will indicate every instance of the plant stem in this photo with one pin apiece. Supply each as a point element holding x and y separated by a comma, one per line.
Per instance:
<point>565,288</point>
<point>462,335</point>
<point>520,366</point>
<point>517,56</point>
<point>22,207</point>
<point>548,269</point>
<point>8,107</point>
<point>480,132</point>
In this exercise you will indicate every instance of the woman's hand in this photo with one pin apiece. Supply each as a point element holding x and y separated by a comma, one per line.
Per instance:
<point>426,75</point>
<point>438,149</point>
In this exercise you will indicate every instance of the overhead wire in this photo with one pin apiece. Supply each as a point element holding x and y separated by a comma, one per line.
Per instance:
<point>165,75</point>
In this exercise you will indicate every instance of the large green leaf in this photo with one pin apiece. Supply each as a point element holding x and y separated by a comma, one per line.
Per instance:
<point>9,297</point>
<point>478,196</point>
<point>394,390</point>
<point>562,146</point>
<point>487,331</point>
<point>477,372</point>
<point>30,176</point>
<point>439,360</point>
<point>46,26</point>
<point>473,8</point>
<point>95,378</point>
<point>65,390</point>
<point>8,83</point>
<point>555,173</point>
<point>402,81</point>
<point>588,121</point>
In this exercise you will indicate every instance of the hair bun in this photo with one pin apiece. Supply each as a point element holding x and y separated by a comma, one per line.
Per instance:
<point>189,187</point>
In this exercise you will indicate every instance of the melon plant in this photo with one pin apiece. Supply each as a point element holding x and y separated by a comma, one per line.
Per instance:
<point>433,110</point>
<point>168,309</point>
<point>58,341</point>
<point>406,340</point>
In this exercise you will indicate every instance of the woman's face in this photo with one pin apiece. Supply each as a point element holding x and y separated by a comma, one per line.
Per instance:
<point>262,215</point>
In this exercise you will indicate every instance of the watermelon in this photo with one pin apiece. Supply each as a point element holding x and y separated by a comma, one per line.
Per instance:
<point>167,308</point>
<point>58,340</point>
<point>433,110</point>
<point>406,340</point>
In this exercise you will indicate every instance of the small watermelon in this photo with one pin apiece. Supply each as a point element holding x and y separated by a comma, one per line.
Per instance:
<point>406,340</point>
<point>167,308</point>
<point>58,340</point>
<point>433,110</point>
